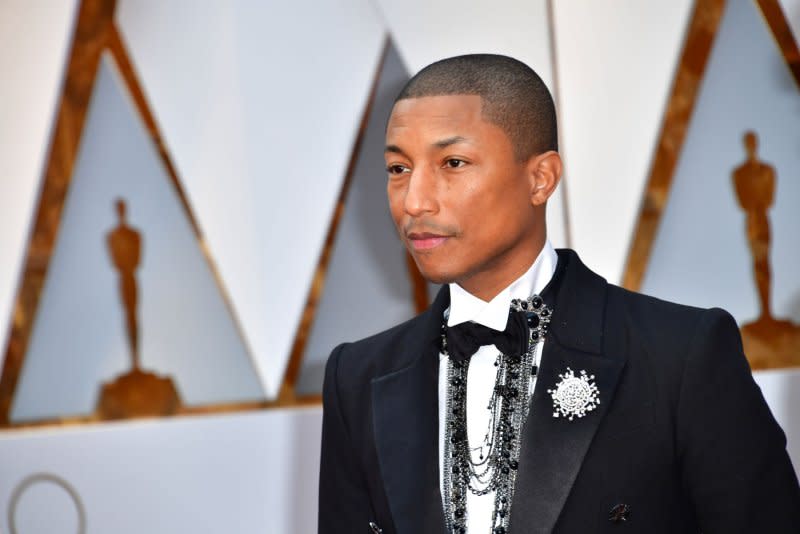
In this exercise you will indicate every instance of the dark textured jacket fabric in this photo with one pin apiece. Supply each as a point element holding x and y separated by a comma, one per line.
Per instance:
<point>682,435</point>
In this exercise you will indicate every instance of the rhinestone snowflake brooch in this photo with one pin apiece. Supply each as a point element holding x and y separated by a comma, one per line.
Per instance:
<point>574,396</point>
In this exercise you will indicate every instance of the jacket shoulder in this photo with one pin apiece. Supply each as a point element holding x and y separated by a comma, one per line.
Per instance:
<point>357,362</point>
<point>671,335</point>
<point>645,308</point>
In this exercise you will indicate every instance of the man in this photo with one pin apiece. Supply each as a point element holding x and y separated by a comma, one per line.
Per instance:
<point>608,411</point>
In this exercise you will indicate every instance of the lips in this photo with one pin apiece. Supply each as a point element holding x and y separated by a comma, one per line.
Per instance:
<point>425,240</point>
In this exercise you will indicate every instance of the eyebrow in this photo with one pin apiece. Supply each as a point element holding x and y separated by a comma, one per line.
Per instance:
<point>395,149</point>
<point>442,143</point>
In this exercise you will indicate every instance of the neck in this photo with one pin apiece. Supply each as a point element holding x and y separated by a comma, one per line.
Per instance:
<point>489,282</point>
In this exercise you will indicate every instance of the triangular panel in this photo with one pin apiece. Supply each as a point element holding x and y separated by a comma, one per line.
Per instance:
<point>701,254</point>
<point>615,63</point>
<point>79,337</point>
<point>367,286</point>
<point>261,146</point>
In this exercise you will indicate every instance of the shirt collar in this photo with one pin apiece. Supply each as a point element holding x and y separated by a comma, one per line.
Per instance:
<point>466,307</point>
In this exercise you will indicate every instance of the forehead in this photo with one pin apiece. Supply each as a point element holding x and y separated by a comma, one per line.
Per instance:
<point>447,114</point>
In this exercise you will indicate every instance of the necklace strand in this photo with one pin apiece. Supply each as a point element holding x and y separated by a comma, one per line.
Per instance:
<point>498,454</point>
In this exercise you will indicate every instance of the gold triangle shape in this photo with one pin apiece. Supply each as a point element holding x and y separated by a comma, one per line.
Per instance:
<point>688,78</point>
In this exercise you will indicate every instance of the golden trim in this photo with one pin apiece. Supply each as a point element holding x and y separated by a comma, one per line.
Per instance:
<point>184,411</point>
<point>685,88</point>
<point>287,393</point>
<point>782,32</point>
<point>90,36</point>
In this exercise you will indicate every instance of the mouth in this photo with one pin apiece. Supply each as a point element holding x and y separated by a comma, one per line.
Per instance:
<point>425,240</point>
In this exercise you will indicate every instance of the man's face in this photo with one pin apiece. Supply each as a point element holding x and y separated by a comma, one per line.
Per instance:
<point>459,198</point>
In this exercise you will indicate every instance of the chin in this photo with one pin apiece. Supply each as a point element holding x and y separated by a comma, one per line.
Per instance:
<point>436,274</point>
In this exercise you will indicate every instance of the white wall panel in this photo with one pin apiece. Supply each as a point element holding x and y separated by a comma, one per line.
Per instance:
<point>367,286</point>
<point>426,31</point>
<point>557,231</point>
<point>78,338</point>
<point>34,42</point>
<point>245,473</point>
<point>616,61</point>
<point>259,104</point>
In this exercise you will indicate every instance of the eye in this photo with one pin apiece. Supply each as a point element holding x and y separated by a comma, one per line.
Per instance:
<point>396,168</point>
<point>454,163</point>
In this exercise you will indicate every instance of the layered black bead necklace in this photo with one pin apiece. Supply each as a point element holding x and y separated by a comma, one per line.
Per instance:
<point>495,468</point>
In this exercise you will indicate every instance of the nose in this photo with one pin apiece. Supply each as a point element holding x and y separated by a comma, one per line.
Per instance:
<point>421,193</point>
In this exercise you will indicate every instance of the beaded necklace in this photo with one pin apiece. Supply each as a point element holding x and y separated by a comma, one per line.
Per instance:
<point>495,469</point>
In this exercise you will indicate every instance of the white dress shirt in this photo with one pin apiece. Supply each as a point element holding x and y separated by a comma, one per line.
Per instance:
<point>481,376</point>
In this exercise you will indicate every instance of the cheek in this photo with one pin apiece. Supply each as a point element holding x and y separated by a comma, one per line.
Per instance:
<point>491,214</point>
<point>478,206</point>
<point>395,198</point>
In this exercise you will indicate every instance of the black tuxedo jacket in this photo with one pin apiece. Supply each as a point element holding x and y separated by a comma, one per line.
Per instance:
<point>682,434</point>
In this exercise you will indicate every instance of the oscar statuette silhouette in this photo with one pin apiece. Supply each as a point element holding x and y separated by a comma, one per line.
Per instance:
<point>769,342</point>
<point>136,393</point>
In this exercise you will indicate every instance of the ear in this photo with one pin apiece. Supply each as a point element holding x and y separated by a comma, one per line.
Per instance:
<point>544,174</point>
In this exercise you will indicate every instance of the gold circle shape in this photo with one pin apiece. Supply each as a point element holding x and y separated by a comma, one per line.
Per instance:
<point>53,479</point>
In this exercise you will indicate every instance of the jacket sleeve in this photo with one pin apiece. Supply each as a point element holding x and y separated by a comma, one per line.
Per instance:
<point>344,505</point>
<point>734,462</point>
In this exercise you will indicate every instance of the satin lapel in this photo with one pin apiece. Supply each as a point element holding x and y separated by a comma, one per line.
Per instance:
<point>406,421</point>
<point>553,449</point>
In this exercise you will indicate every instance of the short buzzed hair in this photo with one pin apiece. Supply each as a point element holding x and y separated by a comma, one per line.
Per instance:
<point>514,97</point>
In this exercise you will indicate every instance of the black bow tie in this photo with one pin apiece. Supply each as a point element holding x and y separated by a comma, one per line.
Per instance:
<point>464,339</point>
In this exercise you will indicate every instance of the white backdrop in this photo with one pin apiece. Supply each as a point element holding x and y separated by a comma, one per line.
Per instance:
<point>259,106</point>
<point>236,473</point>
